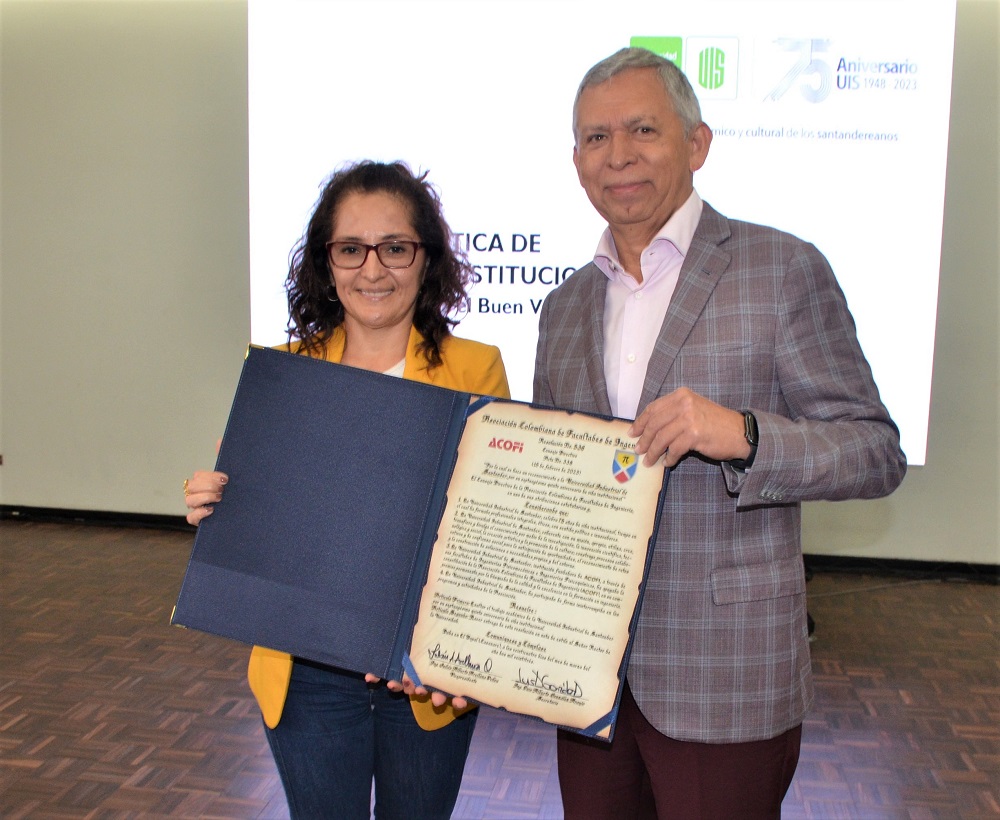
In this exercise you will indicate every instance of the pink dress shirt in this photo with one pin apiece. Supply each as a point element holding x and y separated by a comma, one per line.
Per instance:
<point>634,311</point>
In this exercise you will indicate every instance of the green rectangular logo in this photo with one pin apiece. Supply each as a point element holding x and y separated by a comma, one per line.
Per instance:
<point>667,47</point>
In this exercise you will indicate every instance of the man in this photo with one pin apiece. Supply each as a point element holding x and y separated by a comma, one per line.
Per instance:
<point>732,347</point>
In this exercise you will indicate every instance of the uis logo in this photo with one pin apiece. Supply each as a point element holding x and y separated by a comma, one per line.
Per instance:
<point>710,63</point>
<point>507,444</point>
<point>713,66</point>
<point>624,465</point>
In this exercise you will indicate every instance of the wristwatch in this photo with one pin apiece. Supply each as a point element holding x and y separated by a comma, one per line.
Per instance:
<point>752,435</point>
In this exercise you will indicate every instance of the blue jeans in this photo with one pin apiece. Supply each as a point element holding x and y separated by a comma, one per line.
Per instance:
<point>337,732</point>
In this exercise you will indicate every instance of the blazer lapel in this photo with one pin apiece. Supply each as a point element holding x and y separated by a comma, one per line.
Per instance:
<point>703,266</point>
<point>594,330</point>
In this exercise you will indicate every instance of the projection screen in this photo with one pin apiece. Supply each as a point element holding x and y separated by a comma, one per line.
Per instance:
<point>830,120</point>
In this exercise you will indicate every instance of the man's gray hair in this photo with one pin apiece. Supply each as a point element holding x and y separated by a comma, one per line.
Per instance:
<point>678,89</point>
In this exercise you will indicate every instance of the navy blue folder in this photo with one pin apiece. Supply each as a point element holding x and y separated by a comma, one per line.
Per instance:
<point>337,482</point>
<point>337,487</point>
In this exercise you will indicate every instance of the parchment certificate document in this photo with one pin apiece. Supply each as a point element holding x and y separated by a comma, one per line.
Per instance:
<point>536,574</point>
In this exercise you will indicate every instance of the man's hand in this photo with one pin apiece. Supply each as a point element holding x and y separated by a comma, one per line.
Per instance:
<point>683,422</point>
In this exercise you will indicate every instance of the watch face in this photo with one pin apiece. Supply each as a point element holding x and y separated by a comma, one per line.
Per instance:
<point>751,432</point>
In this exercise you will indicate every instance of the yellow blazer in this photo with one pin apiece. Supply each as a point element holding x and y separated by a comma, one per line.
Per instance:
<point>468,366</point>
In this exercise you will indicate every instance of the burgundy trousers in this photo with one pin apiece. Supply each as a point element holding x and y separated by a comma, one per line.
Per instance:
<point>645,774</point>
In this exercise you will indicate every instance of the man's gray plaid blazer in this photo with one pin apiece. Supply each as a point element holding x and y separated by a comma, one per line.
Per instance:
<point>757,322</point>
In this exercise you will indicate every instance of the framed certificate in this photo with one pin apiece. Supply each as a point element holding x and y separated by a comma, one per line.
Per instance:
<point>489,548</point>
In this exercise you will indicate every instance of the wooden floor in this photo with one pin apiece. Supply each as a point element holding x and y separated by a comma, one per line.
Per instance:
<point>107,711</point>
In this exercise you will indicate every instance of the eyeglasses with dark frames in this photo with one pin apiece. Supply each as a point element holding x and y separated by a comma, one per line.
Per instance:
<point>395,253</point>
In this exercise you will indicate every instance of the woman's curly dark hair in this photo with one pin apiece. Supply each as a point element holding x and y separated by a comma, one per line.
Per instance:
<point>312,317</point>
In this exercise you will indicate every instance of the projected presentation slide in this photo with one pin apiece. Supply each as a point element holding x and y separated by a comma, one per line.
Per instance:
<point>830,120</point>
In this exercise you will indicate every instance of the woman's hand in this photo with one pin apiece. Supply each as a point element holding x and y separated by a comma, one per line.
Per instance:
<point>410,688</point>
<point>201,492</point>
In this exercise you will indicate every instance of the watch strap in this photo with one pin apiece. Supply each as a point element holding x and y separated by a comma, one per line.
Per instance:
<point>752,434</point>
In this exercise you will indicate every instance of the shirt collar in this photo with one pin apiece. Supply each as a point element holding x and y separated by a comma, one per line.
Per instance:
<point>678,231</point>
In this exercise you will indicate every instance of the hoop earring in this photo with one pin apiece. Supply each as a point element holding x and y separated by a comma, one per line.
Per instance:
<point>331,293</point>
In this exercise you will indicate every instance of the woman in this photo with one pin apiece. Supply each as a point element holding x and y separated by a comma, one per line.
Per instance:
<point>372,284</point>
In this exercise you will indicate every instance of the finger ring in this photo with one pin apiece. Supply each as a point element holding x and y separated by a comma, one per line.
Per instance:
<point>187,492</point>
